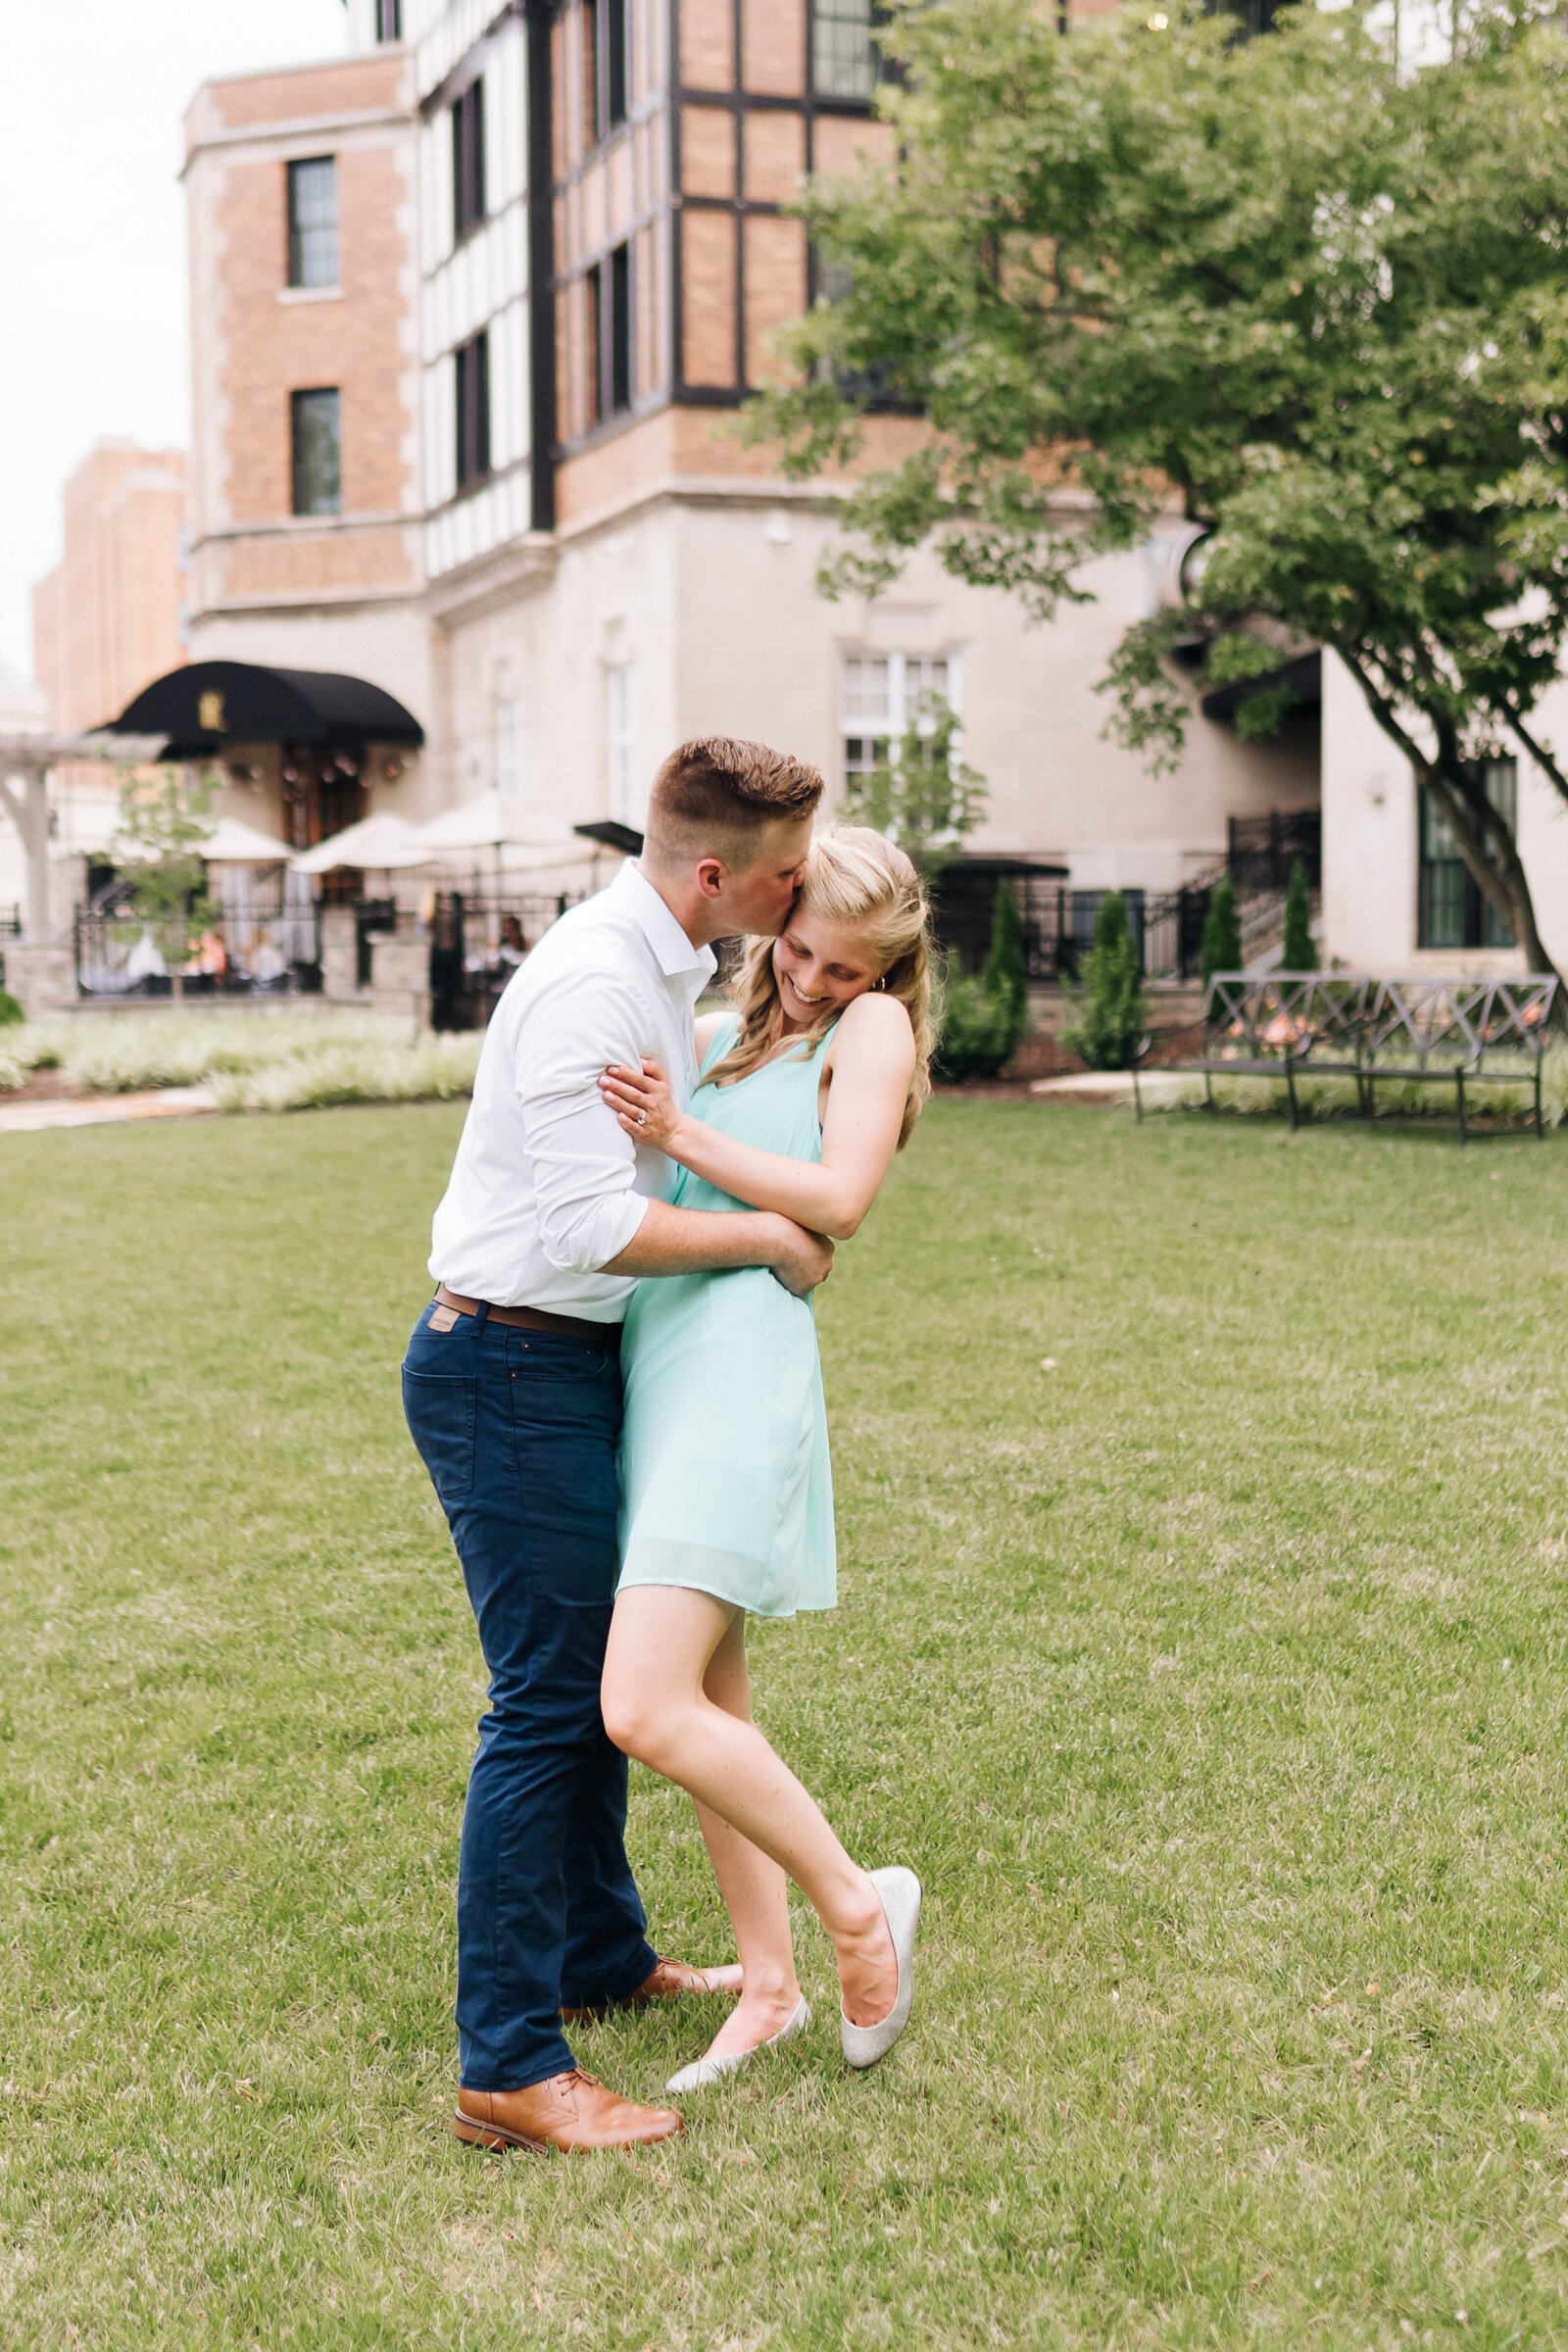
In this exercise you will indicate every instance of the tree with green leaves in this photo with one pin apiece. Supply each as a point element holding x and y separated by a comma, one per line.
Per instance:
<point>1105,1011</point>
<point>1221,949</point>
<point>162,824</point>
<point>1268,292</point>
<point>926,796</point>
<point>1299,953</point>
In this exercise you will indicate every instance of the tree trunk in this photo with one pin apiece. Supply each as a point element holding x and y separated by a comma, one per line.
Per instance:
<point>1485,836</point>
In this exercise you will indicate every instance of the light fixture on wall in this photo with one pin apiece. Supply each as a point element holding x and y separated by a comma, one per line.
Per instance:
<point>776,529</point>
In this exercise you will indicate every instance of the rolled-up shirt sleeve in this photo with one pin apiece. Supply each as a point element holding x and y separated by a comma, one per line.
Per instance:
<point>584,1163</point>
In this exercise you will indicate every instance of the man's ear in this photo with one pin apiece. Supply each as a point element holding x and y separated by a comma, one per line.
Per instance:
<point>710,876</point>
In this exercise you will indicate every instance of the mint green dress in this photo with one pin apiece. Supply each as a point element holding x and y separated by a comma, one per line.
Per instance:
<point>725,1486</point>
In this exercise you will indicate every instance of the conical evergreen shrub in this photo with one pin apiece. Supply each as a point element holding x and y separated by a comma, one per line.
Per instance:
<point>1006,973</point>
<point>1300,951</point>
<point>1221,950</point>
<point>1107,1027</point>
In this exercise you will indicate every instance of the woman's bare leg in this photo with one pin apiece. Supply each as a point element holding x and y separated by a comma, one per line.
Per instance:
<point>662,1640</point>
<point>755,1889</point>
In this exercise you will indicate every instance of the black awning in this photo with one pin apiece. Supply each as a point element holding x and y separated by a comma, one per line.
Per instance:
<point>208,705</point>
<point>612,835</point>
<point>1302,678</point>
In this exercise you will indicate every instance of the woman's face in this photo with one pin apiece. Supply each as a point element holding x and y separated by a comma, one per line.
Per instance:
<point>820,967</point>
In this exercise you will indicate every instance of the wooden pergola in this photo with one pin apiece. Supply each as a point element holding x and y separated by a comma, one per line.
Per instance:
<point>25,761</point>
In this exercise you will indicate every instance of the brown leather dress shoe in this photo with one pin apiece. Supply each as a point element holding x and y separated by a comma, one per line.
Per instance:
<point>669,1982</point>
<point>571,2112</point>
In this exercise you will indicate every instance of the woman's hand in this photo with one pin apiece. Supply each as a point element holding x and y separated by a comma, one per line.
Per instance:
<point>643,1102</point>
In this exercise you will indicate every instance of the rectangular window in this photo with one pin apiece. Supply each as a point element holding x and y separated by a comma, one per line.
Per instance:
<point>313,221</point>
<point>606,74</point>
<point>593,352</point>
<point>1451,910</point>
<point>619,338</point>
<point>316,452</point>
<point>614,46</point>
<point>473,410</point>
<point>389,20</point>
<point>468,161</point>
<point>881,696</point>
<point>842,55</point>
<point>620,733</point>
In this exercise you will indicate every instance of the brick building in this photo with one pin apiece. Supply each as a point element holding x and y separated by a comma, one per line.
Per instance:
<point>484,453</point>
<point>306,494</point>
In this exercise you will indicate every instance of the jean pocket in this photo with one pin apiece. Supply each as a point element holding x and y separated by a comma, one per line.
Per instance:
<point>441,1409</point>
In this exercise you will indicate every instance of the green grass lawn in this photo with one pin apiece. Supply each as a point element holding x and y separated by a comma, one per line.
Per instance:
<point>1213,1681</point>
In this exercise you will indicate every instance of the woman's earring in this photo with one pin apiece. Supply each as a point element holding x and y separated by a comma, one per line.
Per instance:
<point>879,984</point>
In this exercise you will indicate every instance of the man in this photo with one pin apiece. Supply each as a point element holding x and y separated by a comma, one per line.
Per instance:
<point>512,1387</point>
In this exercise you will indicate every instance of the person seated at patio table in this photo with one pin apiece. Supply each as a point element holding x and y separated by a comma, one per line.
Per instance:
<point>513,947</point>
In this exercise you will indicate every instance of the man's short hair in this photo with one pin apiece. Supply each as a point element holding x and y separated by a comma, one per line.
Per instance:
<point>715,795</point>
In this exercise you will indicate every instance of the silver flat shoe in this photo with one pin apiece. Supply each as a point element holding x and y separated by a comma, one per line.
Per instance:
<point>900,1890</point>
<point>703,2071</point>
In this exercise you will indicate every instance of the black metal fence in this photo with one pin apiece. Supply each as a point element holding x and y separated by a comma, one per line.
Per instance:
<point>263,937</point>
<point>1058,923</point>
<point>1260,851</point>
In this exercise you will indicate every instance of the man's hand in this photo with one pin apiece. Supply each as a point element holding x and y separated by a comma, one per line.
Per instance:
<point>804,1258</point>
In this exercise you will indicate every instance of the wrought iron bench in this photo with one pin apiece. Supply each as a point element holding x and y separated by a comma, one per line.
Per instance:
<point>1436,1031</point>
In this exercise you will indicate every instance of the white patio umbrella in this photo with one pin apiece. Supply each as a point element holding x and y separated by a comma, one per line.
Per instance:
<point>379,843</point>
<point>231,843</point>
<point>519,843</point>
<point>491,821</point>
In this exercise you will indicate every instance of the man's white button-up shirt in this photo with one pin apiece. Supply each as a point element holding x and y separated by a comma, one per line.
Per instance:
<point>546,1187</point>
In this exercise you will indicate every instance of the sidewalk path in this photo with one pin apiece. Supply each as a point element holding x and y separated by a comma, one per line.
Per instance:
<point>106,1110</point>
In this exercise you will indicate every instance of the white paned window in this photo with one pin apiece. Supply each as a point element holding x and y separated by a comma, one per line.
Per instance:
<point>620,733</point>
<point>880,698</point>
<point>509,751</point>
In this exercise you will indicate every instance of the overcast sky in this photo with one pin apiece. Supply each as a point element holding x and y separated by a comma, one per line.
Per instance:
<point>92,237</point>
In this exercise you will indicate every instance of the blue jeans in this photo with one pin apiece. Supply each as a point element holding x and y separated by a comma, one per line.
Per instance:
<point>519,1432</point>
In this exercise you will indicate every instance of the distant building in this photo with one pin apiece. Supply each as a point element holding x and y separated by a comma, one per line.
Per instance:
<point>105,621</point>
<point>108,617</point>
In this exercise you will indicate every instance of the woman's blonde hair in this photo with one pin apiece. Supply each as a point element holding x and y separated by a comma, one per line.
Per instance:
<point>856,876</point>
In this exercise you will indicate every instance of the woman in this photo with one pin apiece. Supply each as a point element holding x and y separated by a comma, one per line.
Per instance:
<point>808,1088</point>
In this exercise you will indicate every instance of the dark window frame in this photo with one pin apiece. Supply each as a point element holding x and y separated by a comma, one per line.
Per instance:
<point>303,407</point>
<point>470,196</point>
<point>308,236</point>
<point>618,337</point>
<point>606,68</point>
<point>471,411</point>
<point>824,12</point>
<point>1452,909</point>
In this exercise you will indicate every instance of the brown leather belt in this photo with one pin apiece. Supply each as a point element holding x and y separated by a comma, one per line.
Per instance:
<point>534,1318</point>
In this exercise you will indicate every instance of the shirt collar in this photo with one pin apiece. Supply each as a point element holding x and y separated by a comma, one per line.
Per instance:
<point>676,956</point>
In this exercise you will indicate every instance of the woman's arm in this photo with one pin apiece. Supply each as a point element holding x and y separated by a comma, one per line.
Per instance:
<point>872,1060</point>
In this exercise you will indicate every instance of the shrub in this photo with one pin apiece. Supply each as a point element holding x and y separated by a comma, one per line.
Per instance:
<point>1006,973</point>
<point>1107,1024</point>
<point>10,1010</point>
<point>1222,949</point>
<point>1300,951</point>
<point>976,1033</point>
